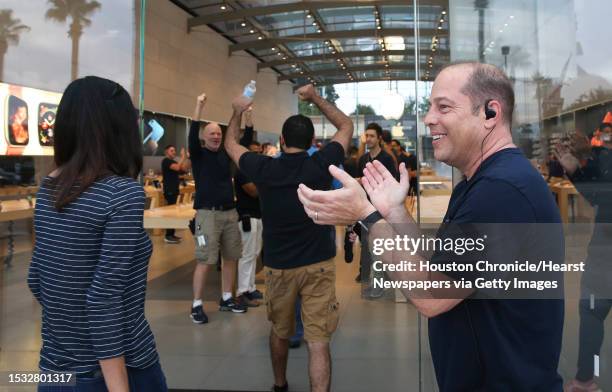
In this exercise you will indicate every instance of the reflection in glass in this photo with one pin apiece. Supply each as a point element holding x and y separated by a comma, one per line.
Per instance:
<point>10,30</point>
<point>78,11</point>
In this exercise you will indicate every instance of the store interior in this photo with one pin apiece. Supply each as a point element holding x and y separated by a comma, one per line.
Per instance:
<point>166,52</point>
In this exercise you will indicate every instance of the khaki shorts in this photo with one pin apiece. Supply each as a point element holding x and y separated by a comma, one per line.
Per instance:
<point>316,285</point>
<point>221,233</point>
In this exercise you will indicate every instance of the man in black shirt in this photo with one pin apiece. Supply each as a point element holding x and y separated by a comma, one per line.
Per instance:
<point>298,254</point>
<point>216,222</point>
<point>409,160</point>
<point>251,230</point>
<point>373,141</point>
<point>170,174</point>
<point>477,344</point>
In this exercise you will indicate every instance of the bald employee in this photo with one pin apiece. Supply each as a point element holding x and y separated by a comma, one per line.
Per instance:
<point>216,222</point>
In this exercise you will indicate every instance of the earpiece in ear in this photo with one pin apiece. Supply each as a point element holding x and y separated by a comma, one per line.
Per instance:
<point>489,113</point>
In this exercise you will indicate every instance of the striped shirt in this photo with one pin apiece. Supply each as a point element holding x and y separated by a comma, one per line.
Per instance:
<point>89,273</point>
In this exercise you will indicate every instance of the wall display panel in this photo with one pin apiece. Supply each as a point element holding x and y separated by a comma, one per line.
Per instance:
<point>27,118</point>
<point>161,130</point>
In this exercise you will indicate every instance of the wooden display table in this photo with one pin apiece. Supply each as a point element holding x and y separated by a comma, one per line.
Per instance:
<point>563,190</point>
<point>157,195</point>
<point>169,217</point>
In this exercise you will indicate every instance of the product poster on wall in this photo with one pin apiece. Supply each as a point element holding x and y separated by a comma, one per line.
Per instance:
<point>27,118</point>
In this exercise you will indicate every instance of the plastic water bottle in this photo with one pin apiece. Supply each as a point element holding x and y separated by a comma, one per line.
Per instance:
<point>249,90</point>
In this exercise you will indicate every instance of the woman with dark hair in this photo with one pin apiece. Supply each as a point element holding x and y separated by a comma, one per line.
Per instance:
<point>90,259</point>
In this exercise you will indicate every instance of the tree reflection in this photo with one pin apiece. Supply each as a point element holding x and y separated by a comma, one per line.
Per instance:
<point>10,30</point>
<point>78,11</point>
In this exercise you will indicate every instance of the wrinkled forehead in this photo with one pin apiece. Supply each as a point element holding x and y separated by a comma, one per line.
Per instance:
<point>450,81</point>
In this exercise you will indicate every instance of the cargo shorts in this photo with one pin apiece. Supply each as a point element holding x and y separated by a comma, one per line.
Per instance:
<point>220,232</point>
<point>316,285</point>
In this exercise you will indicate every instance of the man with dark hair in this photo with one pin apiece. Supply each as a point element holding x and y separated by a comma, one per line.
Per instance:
<point>477,344</point>
<point>409,160</point>
<point>298,254</point>
<point>170,175</point>
<point>216,221</point>
<point>373,141</point>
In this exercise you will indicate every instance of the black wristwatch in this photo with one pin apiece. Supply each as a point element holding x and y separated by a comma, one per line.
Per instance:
<point>370,220</point>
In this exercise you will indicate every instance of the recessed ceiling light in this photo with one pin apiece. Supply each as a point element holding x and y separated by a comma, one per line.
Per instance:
<point>280,54</point>
<point>285,58</point>
<point>293,65</point>
<point>274,49</point>
<point>260,37</point>
<point>251,31</point>
<point>301,72</point>
<point>308,16</point>
<point>378,27</point>
<point>511,16</point>
<point>333,52</point>
<point>243,24</point>
<point>505,24</point>
<point>223,7</point>
<point>314,23</point>
<point>441,20</point>
<point>319,30</point>
<point>439,27</point>
<point>444,12</point>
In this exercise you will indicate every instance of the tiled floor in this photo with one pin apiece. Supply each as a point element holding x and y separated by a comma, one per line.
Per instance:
<point>377,347</point>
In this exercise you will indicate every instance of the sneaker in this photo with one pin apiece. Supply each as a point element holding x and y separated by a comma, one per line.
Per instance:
<point>171,240</point>
<point>253,295</point>
<point>245,301</point>
<point>231,305</point>
<point>284,388</point>
<point>581,386</point>
<point>198,316</point>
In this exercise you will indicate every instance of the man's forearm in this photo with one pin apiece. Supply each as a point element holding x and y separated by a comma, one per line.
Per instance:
<point>340,120</point>
<point>233,128</point>
<point>429,302</point>
<point>197,112</point>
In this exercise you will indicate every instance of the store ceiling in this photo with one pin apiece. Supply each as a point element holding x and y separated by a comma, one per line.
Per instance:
<point>331,42</point>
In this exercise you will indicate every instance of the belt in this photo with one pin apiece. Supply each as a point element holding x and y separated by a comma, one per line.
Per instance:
<point>226,207</point>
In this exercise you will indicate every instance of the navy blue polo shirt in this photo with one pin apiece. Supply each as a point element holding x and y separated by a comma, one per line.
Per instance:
<point>500,344</point>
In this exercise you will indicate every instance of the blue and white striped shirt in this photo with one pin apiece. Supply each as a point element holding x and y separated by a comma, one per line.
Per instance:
<point>89,273</point>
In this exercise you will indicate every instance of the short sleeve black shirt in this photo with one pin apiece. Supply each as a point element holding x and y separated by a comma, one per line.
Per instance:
<point>500,344</point>
<point>170,177</point>
<point>291,239</point>
<point>211,173</point>
<point>383,158</point>
<point>245,204</point>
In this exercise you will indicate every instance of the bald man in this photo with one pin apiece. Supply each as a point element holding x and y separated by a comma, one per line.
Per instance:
<point>216,222</point>
<point>480,339</point>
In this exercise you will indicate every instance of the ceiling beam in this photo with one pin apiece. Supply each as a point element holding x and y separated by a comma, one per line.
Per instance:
<point>357,80</point>
<point>353,70</point>
<point>271,42</point>
<point>293,7</point>
<point>351,54</point>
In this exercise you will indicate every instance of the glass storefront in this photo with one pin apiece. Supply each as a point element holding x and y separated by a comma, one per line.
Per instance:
<point>554,52</point>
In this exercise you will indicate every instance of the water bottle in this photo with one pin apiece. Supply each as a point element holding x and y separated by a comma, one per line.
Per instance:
<point>249,90</point>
